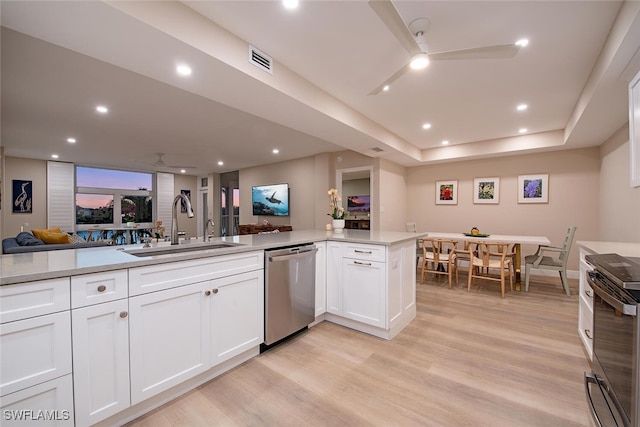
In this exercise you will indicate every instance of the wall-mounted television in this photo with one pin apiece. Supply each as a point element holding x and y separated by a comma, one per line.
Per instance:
<point>357,204</point>
<point>270,200</point>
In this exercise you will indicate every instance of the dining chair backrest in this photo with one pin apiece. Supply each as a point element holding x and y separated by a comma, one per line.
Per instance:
<point>491,252</point>
<point>566,245</point>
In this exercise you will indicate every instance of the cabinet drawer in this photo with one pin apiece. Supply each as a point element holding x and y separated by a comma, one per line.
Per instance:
<point>363,251</point>
<point>585,326</point>
<point>153,278</point>
<point>34,351</point>
<point>24,300</point>
<point>55,398</point>
<point>90,289</point>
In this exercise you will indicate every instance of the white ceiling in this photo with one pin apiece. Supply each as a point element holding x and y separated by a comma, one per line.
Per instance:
<point>60,59</point>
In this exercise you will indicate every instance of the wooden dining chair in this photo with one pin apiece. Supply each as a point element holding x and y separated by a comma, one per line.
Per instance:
<point>551,258</point>
<point>463,254</point>
<point>488,257</point>
<point>436,253</point>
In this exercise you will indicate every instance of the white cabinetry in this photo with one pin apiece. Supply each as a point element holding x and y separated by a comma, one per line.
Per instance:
<point>321,278</point>
<point>237,315</point>
<point>189,316</point>
<point>100,325</point>
<point>371,288</point>
<point>585,306</point>
<point>169,338</point>
<point>35,352</point>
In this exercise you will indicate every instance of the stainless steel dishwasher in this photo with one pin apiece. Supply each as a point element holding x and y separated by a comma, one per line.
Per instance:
<point>290,291</point>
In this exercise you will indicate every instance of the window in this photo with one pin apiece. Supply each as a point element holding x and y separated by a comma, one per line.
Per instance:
<point>115,197</point>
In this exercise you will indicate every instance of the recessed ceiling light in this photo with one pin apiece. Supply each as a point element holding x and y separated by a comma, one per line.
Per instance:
<point>275,151</point>
<point>522,42</point>
<point>102,109</point>
<point>523,130</point>
<point>54,156</point>
<point>521,107</point>
<point>220,163</point>
<point>71,140</point>
<point>183,171</point>
<point>290,4</point>
<point>183,70</point>
<point>426,126</point>
<point>445,142</point>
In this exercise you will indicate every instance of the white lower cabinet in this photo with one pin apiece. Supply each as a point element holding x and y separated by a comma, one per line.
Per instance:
<point>237,315</point>
<point>334,278</point>
<point>169,338</point>
<point>364,291</point>
<point>585,306</point>
<point>47,404</point>
<point>321,278</point>
<point>100,361</point>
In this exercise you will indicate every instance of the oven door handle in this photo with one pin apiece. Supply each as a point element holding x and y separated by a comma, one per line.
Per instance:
<point>590,378</point>
<point>626,309</point>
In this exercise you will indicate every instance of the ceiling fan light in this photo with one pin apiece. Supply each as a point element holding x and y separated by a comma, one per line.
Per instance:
<point>419,61</point>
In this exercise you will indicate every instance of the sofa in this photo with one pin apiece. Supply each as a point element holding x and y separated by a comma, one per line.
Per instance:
<point>26,242</point>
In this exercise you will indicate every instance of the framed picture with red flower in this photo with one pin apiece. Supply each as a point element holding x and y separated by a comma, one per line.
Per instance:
<point>447,192</point>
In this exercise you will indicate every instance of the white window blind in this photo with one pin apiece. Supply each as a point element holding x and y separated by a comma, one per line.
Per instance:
<point>164,198</point>
<point>60,196</point>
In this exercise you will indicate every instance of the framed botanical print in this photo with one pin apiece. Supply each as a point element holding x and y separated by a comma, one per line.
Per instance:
<point>447,192</point>
<point>533,188</point>
<point>486,190</point>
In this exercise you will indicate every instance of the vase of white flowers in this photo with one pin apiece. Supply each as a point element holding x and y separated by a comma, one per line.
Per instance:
<point>337,213</point>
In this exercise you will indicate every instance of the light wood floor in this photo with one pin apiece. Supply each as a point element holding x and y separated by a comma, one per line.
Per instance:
<point>468,359</point>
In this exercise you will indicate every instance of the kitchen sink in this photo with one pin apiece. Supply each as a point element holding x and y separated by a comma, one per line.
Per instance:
<point>181,248</point>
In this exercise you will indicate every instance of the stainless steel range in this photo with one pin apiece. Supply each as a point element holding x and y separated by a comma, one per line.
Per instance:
<point>613,385</point>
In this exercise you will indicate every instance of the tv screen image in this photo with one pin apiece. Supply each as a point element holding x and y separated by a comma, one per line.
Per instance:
<point>270,200</point>
<point>358,203</point>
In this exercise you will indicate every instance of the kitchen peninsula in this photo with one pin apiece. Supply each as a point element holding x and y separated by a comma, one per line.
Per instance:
<point>150,325</point>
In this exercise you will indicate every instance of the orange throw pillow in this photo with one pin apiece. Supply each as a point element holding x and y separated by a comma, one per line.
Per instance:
<point>51,237</point>
<point>39,233</point>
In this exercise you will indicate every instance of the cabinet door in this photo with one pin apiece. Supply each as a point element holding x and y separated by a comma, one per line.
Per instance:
<point>321,278</point>
<point>46,404</point>
<point>363,291</point>
<point>585,310</point>
<point>237,315</point>
<point>334,278</point>
<point>169,338</point>
<point>34,350</point>
<point>100,361</point>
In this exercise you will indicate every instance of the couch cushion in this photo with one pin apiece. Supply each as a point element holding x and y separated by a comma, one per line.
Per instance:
<point>38,233</point>
<point>50,237</point>
<point>27,239</point>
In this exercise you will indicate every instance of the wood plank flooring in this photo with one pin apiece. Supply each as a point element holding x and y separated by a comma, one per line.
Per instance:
<point>468,359</point>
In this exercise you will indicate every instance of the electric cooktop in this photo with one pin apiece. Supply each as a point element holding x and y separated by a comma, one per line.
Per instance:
<point>625,272</point>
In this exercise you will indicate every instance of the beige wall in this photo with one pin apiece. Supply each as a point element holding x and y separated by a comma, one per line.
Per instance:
<point>574,188</point>
<point>393,196</point>
<point>619,203</point>
<point>30,170</point>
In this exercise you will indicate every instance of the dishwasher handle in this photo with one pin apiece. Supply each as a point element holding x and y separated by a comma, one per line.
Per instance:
<point>294,255</point>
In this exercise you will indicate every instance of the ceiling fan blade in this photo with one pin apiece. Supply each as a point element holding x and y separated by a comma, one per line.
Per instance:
<point>486,52</point>
<point>391,18</point>
<point>395,76</point>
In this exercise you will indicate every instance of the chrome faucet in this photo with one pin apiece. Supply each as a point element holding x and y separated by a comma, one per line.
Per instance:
<point>174,216</point>
<point>206,229</point>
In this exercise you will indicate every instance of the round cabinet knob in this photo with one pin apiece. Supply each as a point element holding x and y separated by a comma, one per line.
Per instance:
<point>215,291</point>
<point>102,288</point>
<point>123,314</point>
<point>207,292</point>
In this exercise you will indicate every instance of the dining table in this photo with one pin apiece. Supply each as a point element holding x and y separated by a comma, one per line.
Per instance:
<point>516,240</point>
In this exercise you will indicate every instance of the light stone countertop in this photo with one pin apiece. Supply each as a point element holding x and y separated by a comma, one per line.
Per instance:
<point>27,267</point>
<point>625,249</point>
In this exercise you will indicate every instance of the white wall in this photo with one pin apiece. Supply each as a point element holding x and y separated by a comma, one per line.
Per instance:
<point>619,203</point>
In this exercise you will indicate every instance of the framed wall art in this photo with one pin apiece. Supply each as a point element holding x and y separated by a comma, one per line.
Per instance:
<point>533,188</point>
<point>486,190</point>
<point>447,192</point>
<point>22,196</point>
<point>183,205</point>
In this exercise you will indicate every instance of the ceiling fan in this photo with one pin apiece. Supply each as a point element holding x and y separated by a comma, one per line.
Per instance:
<point>160,164</point>
<point>412,38</point>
